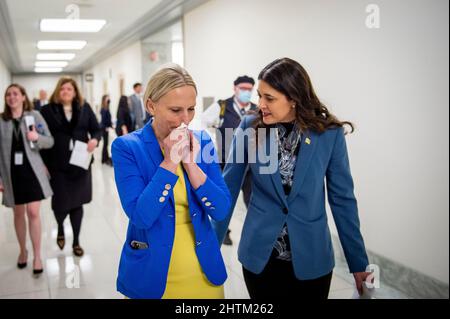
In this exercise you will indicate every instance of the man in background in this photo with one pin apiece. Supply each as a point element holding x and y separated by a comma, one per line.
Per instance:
<point>39,103</point>
<point>137,107</point>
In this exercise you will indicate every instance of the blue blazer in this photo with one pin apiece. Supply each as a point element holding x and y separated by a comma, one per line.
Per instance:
<point>141,184</point>
<point>322,156</point>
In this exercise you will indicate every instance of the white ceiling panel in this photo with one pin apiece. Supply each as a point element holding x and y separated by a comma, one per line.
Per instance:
<point>25,16</point>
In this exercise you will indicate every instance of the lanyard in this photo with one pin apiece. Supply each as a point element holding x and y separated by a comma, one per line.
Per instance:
<point>16,129</point>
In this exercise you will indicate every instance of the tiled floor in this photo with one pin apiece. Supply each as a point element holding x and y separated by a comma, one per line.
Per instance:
<point>102,234</point>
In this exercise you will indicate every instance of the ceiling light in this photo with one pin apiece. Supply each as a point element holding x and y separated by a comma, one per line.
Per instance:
<point>45,64</point>
<point>55,56</point>
<point>47,70</point>
<point>71,25</point>
<point>61,45</point>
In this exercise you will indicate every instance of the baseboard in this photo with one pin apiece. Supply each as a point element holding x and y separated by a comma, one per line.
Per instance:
<point>396,280</point>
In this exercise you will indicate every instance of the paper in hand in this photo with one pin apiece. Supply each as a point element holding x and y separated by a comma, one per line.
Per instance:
<point>80,156</point>
<point>30,122</point>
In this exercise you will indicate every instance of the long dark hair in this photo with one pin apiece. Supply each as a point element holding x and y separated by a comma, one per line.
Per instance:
<point>27,106</point>
<point>123,103</point>
<point>290,78</point>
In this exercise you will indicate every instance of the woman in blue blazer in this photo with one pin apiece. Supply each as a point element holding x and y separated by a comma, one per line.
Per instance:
<point>295,145</point>
<point>170,185</point>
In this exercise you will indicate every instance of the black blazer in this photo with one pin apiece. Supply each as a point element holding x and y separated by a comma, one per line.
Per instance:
<point>72,185</point>
<point>82,127</point>
<point>106,118</point>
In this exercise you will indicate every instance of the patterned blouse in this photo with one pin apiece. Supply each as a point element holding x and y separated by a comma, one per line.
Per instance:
<point>289,137</point>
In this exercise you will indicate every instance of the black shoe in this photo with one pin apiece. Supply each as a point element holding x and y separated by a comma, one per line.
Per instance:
<point>78,251</point>
<point>227,240</point>
<point>22,265</point>
<point>61,241</point>
<point>38,271</point>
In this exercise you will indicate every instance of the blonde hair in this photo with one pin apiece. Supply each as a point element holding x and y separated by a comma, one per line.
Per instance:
<point>168,77</point>
<point>55,95</point>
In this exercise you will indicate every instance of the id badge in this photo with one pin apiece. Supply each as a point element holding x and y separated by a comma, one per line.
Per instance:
<point>71,145</point>
<point>18,158</point>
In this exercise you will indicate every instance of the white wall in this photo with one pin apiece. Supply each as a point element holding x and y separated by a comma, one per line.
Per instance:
<point>126,65</point>
<point>5,80</point>
<point>36,82</point>
<point>391,82</point>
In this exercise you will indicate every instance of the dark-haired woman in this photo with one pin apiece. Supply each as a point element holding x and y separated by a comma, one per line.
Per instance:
<point>106,125</point>
<point>124,122</point>
<point>70,119</point>
<point>23,177</point>
<point>285,247</point>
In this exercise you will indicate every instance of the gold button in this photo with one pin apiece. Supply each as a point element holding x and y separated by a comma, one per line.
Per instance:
<point>168,186</point>
<point>165,193</point>
<point>162,199</point>
<point>204,199</point>
<point>207,204</point>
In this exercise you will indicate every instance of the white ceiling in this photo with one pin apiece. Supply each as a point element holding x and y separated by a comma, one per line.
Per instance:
<point>127,20</point>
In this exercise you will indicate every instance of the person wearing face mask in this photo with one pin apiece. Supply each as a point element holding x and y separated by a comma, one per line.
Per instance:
<point>106,125</point>
<point>170,185</point>
<point>24,181</point>
<point>70,119</point>
<point>225,116</point>
<point>285,248</point>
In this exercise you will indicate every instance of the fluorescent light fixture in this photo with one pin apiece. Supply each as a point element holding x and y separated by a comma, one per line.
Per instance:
<point>55,56</point>
<point>71,25</point>
<point>61,45</point>
<point>47,70</point>
<point>51,64</point>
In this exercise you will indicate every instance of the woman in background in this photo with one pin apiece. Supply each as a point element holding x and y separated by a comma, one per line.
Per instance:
<point>23,176</point>
<point>124,122</point>
<point>106,125</point>
<point>70,119</point>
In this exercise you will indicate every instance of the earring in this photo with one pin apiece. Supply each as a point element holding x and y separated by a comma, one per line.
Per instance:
<point>293,106</point>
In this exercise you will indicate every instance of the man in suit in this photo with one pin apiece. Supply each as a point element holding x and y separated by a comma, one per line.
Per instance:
<point>137,107</point>
<point>38,104</point>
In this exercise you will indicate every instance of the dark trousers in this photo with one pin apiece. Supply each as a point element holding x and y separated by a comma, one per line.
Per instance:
<point>76,216</point>
<point>278,281</point>
<point>105,154</point>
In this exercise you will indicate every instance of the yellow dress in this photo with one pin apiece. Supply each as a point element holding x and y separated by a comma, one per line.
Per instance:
<point>185,279</point>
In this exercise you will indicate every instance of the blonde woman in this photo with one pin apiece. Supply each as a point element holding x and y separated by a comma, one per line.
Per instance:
<point>171,250</point>
<point>70,119</point>
<point>23,178</point>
